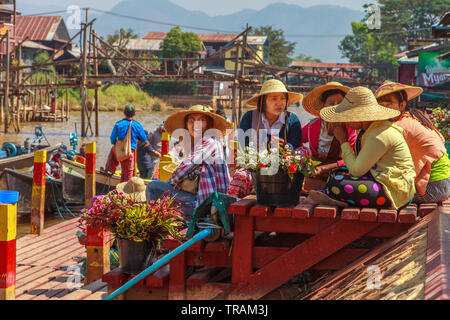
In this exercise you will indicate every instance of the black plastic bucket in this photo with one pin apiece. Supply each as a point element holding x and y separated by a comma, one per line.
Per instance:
<point>135,257</point>
<point>278,189</point>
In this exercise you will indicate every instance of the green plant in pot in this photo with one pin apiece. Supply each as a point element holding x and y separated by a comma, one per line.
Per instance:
<point>137,225</point>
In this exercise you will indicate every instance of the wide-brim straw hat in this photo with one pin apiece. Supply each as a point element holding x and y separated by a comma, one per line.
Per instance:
<point>312,102</point>
<point>133,188</point>
<point>389,87</point>
<point>177,119</point>
<point>359,104</point>
<point>274,86</point>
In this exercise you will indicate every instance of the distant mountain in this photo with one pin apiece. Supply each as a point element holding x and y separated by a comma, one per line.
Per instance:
<point>295,20</point>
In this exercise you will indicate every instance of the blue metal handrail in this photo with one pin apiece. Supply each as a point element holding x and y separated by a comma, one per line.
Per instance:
<point>196,238</point>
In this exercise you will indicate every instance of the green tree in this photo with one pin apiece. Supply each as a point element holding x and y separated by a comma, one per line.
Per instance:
<point>280,49</point>
<point>304,57</point>
<point>403,19</point>
<point>178,44</point>
<point>367,47</point>
<point>43,57</point>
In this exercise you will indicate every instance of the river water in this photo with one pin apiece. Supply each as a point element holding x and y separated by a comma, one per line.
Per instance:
<point>59,132</point>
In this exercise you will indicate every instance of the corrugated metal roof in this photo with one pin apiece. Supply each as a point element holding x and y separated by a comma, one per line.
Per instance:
<point>143,44</point>
<point>326,65</point>
<point>155,35</point>
<point>37,28</point>
<point>35,45</point>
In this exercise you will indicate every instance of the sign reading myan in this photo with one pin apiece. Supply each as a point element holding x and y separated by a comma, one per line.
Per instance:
<point>432,70</point>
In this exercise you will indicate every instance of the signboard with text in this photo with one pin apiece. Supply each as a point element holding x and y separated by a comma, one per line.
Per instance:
<point>432,70</point>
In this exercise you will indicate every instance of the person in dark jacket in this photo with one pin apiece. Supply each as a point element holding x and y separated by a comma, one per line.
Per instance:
<point>148,155</point>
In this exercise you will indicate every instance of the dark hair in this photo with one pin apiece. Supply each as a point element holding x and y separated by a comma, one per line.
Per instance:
<point>129,113</point>
<point>331,92</point>
<point>401,95</point>
<point>262,102</point>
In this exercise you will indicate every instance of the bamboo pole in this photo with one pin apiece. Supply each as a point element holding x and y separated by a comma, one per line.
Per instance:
<point>96,88</point>
<point>6,97</point>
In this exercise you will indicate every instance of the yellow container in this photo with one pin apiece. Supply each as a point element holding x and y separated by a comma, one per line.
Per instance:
<point>165,174</point>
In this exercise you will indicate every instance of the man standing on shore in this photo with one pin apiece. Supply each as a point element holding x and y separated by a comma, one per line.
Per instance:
<point>119,132</point>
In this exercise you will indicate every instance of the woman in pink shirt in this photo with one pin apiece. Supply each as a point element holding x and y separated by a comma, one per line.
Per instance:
<point>323,146</point>
<point>426,144</point>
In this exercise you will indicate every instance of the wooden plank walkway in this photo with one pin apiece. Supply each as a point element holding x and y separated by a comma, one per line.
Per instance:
<point>47,265</point>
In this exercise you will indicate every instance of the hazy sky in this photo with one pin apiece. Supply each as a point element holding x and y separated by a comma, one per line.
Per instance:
<point>210,7</point>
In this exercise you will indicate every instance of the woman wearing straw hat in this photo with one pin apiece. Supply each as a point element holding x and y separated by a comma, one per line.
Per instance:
<point>425,142</point>
<point>323,146</point>
<point>271,115</point>
<point>381,172</point>
<point>205,169</point>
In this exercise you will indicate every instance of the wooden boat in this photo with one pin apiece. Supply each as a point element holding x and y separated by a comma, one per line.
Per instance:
<point>26,160</point>
<point>73,176</point>
<point>11,179</point>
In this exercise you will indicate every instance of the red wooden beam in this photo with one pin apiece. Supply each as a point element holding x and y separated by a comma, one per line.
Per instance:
<point>426,208</point>
<point>260,210</point>
<point>283,212</point>
<point>387,215</point>
<point>241,207</point>
<point>437,280</point>
<point>350,213</point>
<point>244,233</point>
<point>408,214</point>
<point>279,224</point>
<point>328,212</point>
<point>368,214</point>
<point>299,259</point>
<point>303,210</point>
<point>177,277</point>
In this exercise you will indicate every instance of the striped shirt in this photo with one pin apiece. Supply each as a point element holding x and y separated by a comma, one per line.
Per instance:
<point>214,176</point>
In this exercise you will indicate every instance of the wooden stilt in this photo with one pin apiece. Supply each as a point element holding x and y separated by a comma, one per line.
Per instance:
<point>8,225</point>
<point>38,192</point>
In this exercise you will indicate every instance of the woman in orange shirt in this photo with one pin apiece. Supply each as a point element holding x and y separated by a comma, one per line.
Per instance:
<point>426,144</point>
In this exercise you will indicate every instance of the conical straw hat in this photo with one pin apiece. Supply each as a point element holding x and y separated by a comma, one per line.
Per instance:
<point>312,102</point>
<point>177,119</point>
<point>274,86</point>
<point>389,87</point>
<point>359,104</point>
<point>133,188</point>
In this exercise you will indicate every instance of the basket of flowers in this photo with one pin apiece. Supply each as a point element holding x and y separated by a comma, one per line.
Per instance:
<point>277,173</point>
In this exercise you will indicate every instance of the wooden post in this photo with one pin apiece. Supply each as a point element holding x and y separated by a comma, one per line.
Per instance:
<point>67,104</point>
<point>6,97</point>
<point>8,227</point>
<point>83,89</point>
<point>38,192</point>
<point>165,143</point>
<point>97,253</point>
<point>89,182</point>
<point>96,87</point>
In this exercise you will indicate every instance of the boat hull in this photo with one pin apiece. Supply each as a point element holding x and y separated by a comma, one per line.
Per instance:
<point>73,181</point>
<point>24,160</point>
<point>23,183</point>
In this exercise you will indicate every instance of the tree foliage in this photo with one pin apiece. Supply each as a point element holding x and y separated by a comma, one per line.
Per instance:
<point>178,44</point>
<point>304,57</point>
<point>400,20</point>
<point>366,47</point>
<point>120,37</point>
<point>280,49</point>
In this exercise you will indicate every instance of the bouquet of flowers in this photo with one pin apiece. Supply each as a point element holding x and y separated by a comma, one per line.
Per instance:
<point>440,118</point>
<point>275,159</point>
<point>133,220</point>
